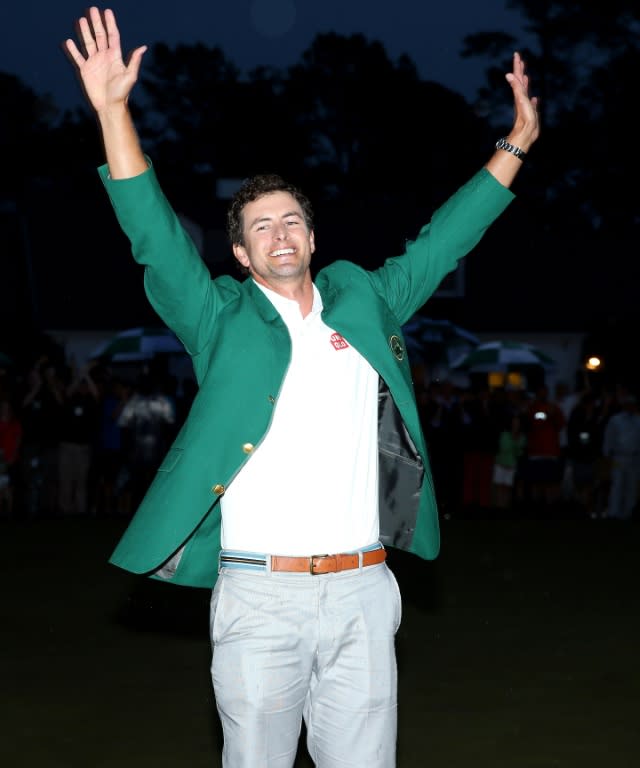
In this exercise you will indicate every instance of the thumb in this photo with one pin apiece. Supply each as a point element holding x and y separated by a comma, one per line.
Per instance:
<point>135,60</point>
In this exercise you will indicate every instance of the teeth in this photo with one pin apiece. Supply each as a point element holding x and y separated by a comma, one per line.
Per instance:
<point>282,251</point>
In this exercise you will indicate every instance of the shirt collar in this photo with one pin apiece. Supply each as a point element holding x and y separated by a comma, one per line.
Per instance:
<point>289,309</point>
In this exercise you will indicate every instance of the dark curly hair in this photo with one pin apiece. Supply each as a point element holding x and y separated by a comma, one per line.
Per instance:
<point>254,188</point>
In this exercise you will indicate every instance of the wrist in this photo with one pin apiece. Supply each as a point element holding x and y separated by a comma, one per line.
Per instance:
<point>113,112</point>
<point>521,138</point>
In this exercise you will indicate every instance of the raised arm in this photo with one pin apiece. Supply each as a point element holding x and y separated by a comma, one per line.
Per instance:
<point>107,82</point>
<point>526,125</point>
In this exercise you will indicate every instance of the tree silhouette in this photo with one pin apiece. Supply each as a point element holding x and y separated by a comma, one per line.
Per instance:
<point>383,147</point>
<point>376,148</point>
<point>584,59</point>
<point>585,227</point>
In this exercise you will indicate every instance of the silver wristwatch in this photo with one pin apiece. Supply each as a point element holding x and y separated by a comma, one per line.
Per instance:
<point>504,144</point>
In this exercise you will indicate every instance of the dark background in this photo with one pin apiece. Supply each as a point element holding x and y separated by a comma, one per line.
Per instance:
<point>375,141</point>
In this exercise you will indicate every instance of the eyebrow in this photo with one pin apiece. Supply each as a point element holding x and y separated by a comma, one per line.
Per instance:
<point>270,218</point>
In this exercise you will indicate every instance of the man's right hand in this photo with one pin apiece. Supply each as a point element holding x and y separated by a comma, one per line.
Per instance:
<point>106,79</point>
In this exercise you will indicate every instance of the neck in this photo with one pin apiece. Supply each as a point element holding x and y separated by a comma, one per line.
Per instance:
<point>298,290</point>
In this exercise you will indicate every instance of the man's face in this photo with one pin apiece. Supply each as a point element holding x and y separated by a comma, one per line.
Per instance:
<point>277,243</point>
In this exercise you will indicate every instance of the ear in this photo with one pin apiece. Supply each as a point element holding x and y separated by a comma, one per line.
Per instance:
<point>312,241</point>
<point>240,252</point>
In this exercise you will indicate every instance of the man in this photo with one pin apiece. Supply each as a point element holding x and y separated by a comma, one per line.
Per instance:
<point>304,437</point>
<point>621,446</point>
<point>545,422</point>
<point>78,427</point>
<point>146,420</point>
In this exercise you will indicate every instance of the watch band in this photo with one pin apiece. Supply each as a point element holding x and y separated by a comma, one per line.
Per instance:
<point>504,144</point>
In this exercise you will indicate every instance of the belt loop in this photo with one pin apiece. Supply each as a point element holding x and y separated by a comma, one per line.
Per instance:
<point>360,559</point>
<point>267,564</point>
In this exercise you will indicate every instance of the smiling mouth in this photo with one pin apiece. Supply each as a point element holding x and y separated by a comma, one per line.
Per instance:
<point>283,252</point>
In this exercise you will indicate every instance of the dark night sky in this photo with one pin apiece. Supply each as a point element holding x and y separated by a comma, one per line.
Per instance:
<point>256,32</point>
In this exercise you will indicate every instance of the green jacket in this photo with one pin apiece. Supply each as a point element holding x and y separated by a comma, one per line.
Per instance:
<point>240,349</point>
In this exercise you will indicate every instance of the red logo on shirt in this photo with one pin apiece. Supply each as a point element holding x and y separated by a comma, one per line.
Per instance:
<point>338,341</point>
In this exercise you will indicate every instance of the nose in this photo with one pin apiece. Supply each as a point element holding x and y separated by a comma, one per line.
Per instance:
<point>280,232</point>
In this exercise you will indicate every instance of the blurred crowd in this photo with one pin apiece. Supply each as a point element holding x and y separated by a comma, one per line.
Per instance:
<point>536,453</point>
<point>84,441</point>
<point>88,440</point>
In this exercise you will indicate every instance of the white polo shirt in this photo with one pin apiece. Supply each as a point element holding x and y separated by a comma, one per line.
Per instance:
<point>311,486</point>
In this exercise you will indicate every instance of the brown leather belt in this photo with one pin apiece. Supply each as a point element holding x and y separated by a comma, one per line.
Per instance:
<point>317,564</point>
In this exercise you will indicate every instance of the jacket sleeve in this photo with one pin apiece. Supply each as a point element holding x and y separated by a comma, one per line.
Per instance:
<point>176,280</point>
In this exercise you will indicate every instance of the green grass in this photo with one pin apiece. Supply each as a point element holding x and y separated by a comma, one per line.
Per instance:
<point>519,648</point>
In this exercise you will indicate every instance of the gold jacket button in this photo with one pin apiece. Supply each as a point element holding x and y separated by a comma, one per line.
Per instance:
<point>218,489</point>
<point>248,447</point>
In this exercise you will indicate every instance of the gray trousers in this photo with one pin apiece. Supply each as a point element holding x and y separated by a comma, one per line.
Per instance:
<point>74,465</point>
<point>292,646</point>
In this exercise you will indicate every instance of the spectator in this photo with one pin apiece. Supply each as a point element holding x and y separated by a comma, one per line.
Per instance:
<point>148,418</point>
<point>10,443</point>
<point>442,423</point>
<point>109,459</point>
<point>78,430</point>
<point>622,447</point>
<point>584,449</point>
<point>545,422</point>
<point>482,419</point>
<point>566,400</point>
<point>40,414</point>
<point>511,448</point>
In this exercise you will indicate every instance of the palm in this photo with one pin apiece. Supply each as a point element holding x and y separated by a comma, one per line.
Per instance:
<point>106,78</point>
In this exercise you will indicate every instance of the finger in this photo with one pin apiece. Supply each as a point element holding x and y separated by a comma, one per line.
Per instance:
<point>135,60</point>
<point>113,33</point>
<point>513,79</point>
<point>517,62</point>
<point>99,33</point>
<point>72,50</point>
<point>84,32</point>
